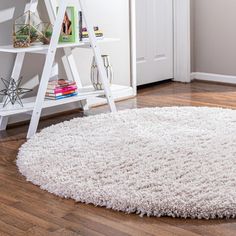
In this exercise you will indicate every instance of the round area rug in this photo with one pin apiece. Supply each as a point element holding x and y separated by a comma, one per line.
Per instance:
<point>178,162</point>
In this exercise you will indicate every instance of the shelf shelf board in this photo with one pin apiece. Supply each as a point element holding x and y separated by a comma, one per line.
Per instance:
<point>43,48</point>
<point>85,93</point>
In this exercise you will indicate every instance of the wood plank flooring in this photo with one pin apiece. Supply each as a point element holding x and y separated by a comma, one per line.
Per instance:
<point>26,210</point>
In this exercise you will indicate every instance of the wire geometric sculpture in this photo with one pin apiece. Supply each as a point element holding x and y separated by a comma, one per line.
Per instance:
<point>13,91</point>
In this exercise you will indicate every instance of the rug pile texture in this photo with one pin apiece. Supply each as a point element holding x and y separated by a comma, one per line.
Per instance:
<point>177,161</point>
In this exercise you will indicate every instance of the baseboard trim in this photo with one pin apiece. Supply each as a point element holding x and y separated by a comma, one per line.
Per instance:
<point>213,77</point>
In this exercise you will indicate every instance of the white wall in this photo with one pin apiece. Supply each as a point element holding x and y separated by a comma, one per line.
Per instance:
<point>214,36</point>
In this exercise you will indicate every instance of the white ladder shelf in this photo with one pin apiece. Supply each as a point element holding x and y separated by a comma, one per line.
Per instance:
<point>38,103</point>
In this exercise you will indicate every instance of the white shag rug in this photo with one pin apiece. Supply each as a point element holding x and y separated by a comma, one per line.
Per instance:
<point>178,162</point>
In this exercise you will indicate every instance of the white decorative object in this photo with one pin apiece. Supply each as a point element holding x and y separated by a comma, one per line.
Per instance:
<point>95,75</point>
<point>13,92</point>
<point>177,161</point>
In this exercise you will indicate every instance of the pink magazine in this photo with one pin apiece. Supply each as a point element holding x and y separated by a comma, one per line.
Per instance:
<point>62,90</point>
<point>60,84</point>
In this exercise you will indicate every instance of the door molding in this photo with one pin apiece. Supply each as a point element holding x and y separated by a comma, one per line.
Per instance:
<point>182,44</point>
<point>133,44</point>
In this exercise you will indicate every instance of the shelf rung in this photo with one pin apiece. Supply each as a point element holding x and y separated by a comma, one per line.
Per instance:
<point>42,49</point>
<point>84,93</point>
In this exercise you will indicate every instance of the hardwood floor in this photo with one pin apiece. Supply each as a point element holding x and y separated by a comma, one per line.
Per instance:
<point>26,210</point>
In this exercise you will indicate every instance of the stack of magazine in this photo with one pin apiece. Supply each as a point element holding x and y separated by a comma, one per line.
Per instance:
<point>98,33</point>
<point>60,89</point>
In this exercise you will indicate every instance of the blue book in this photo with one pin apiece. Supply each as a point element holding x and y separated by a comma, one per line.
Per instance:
<point>61,97</point>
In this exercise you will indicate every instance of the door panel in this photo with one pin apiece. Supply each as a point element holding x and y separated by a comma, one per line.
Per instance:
<point>154,20</point>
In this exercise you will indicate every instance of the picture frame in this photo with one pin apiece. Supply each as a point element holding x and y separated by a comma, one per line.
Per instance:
<point>69,29</point>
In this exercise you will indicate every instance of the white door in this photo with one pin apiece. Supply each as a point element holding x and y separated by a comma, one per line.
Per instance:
<point>154,22</point>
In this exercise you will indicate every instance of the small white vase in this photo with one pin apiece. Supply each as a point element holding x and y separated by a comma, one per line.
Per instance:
<point>95,76</point>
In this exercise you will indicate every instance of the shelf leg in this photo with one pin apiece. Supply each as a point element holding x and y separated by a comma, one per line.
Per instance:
<point>47,70</point>
<point>18,66</point>
<point>15,75</point>
<point>3,122</point>
<point>71,67</point>
<point>98,57</point>
<point>72,72</point>
<point>84,105</point>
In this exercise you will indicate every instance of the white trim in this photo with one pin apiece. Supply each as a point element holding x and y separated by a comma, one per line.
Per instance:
<point>214,77</point>
<point>133,46</point>
<point>3,123</point>
<point>182,44</point>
